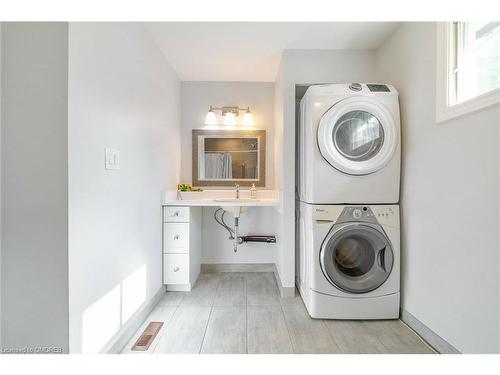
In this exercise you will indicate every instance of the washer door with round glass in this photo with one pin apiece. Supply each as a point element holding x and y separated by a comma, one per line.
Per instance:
<point>356,258</point>
<point>357,136</point>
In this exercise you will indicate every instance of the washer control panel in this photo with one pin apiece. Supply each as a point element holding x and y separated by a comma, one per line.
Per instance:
<point>382,212</point>
<point>356,212</point>
<point>376,214</point>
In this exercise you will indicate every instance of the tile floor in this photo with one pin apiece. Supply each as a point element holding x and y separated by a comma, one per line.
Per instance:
<point>243,313</point>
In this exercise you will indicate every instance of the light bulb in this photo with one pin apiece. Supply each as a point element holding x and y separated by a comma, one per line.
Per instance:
<point>248,118</point>
<point>211,119</point>
<point>229,118</point>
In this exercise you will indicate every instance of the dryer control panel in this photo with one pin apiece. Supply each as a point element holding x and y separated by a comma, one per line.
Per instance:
<point>374,87</point>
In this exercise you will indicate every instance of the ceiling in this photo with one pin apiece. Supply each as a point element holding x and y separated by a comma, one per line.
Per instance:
<point>251,51</point>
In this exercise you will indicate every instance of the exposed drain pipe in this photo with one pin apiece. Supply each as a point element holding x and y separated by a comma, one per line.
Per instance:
<point>234,233</point>
<point>237,239</point>
<point>266,239</point>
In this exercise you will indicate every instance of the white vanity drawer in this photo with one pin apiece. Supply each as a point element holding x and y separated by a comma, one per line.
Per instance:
<point>175,269</point>
<point>176,214</point>
<point>175,235</point>
<point>175,250</point>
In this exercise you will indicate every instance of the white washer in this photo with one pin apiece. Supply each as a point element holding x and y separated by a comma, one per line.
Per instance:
<point>349,144</point>
<point>349,261</point>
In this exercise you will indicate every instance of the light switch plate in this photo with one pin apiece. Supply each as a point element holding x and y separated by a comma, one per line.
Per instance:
<point>112,159</point>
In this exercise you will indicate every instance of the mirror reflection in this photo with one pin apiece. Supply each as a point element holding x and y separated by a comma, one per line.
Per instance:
<point>228,157</point>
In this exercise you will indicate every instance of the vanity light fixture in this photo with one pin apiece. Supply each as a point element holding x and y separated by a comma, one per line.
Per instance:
<point>229,115</point>
<point>248,118</point>
<point>229,118</point>
<point>211,119</point>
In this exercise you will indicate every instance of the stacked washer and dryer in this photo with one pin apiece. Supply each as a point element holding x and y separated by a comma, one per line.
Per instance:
<point>348,192</point>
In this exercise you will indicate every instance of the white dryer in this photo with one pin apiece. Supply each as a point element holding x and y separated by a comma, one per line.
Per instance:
<point>349,144</point>
<point>349,261</point>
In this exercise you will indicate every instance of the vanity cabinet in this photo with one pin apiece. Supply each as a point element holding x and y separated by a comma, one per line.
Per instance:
<point>181,247</point>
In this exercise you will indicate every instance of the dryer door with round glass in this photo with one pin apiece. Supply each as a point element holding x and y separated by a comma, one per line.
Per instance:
<point>356,258</point>
<point>357,136</point>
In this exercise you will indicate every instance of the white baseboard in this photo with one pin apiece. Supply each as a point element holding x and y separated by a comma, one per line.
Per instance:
<point>238,267</point>
<point>433,339</point>
<point>179,287</point>
<point>285,291</point>
<point>122,337</point>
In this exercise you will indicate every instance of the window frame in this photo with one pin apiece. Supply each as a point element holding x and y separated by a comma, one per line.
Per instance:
<point>446,78</point>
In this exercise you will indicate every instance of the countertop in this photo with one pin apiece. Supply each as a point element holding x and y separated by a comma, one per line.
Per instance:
<point>208,198</point>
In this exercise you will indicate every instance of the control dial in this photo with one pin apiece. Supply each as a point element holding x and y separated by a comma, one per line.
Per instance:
<point>355,86</point>
<point>357,213</point>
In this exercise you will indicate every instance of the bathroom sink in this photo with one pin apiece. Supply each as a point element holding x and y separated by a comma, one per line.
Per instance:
<point>235,209</point>
<point>236,200</point>
<point>221,198</point>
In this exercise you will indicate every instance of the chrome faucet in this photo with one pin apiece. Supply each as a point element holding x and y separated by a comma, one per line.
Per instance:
<point>237,191</point>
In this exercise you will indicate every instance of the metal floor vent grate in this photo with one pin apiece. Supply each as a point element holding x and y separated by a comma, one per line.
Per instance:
<point>144,341</point>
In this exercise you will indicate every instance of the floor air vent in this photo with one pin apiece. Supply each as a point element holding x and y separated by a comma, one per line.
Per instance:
<point>144,341</point>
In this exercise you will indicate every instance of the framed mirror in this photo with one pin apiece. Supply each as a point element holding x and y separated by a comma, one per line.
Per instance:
<point>228,157</point>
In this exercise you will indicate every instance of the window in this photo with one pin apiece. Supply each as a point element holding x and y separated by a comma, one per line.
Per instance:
<point>468,67</point>
<point>476,59</point>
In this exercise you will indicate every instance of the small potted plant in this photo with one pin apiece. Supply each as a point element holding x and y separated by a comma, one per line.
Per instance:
<point>186,191</point>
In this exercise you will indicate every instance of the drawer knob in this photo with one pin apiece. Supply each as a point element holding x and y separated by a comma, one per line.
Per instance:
<point>176,269</point>
<point>176,213</point>
<point>176,237</point>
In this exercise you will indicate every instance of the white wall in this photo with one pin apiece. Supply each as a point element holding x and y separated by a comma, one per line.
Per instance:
<point>0,183</point>
<point>449,199</point>
<point>217,248</point>
<point>305,67</point>
<point>196,99</point>
<point>34,185</point>
<point>284,267</point>
<point>124,95</point>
